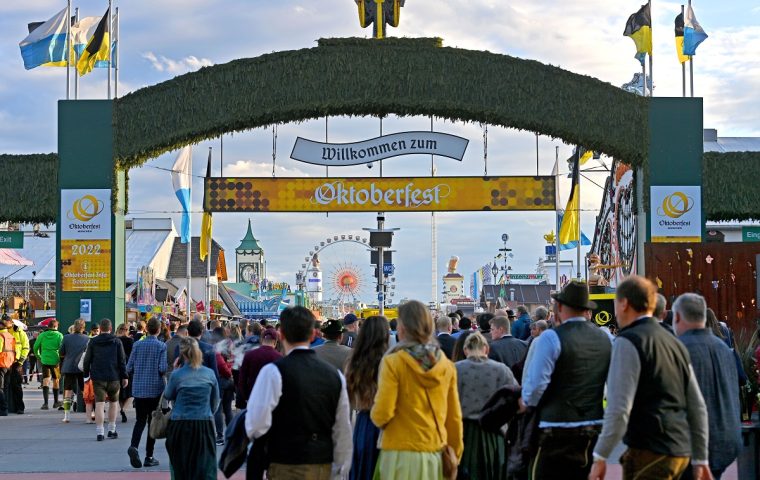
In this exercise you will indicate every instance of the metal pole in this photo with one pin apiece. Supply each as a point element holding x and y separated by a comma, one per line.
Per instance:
<point>190,243</point>
<point>110,33</point>
<point>536,154</point>
<point>651,70</point>
<point>691,74</point>
<point>556,217</point>
<point>578,257</point>
<point>683,65</point>
<point>381,134</point>
<point>76,58</point>
<point>118,61</point>
<point>208,261</point>
<point>380,264</point>
<point>433,238</point>
<point>68,48</point>
<point>221,155</point>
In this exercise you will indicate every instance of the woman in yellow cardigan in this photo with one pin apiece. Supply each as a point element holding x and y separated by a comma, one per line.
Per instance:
<point>417,402</point>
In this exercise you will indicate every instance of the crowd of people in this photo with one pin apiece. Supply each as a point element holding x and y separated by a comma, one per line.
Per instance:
<point>504,395</point>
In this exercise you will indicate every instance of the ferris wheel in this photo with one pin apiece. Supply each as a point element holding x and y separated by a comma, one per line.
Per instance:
<point>337,272</point>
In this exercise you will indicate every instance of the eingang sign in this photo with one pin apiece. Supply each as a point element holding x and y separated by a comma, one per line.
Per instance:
<point>380,148</point>
<point>420,194</point>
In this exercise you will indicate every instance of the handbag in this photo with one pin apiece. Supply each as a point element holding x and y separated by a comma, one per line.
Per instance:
<point>159,421</point>
<point>449,458</point>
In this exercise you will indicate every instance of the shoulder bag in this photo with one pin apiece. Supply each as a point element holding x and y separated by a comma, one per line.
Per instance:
<point>448,455</point>
<point>159,421</point>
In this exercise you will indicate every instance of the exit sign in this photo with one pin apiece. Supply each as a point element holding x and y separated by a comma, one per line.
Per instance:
<point>11,239</point>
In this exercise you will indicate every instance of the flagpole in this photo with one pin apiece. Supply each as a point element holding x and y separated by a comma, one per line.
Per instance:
<point>68,49</point>
<point>190,240</point>
<point>110,32</point>
<point>118,44</point>
<point>208,257</point>
<point>683,64</point>
<point>578,258</point>
<point>651,70</point>
<point>76,57</point>
<point>433,239</point>
<point>556,215</point>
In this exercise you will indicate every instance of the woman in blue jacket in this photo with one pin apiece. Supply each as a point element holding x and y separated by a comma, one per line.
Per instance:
<point>190,435</point>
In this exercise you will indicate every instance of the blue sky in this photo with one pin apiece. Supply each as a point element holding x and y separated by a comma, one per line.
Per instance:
<point>163,38</point>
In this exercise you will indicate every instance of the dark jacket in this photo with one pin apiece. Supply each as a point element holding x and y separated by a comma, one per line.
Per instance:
<point>447,343</point>
<point>716,374</point>
<point>508,350</point>
<point>521,327</point>
<point>104,359</point>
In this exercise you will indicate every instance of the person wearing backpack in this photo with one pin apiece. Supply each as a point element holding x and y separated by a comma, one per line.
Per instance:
<point>7,359</point>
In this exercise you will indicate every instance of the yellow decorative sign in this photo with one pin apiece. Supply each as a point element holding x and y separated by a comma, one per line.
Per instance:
<point>86,265</point>
<point>408,194</point>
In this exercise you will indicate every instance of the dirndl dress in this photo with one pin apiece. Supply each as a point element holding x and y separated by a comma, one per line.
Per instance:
<point>484,456</point>
<point>192,449</point>
<point>365,447</point>
<point>408,465</point>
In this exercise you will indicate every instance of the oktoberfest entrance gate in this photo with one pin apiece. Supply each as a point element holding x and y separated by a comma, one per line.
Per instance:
<point>660,137</point>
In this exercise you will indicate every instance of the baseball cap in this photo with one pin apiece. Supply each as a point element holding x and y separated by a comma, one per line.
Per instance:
<point>332,327</point>
<point>349,319</point>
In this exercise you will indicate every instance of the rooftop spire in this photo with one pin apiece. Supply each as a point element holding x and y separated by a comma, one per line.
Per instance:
<point>249,244</point>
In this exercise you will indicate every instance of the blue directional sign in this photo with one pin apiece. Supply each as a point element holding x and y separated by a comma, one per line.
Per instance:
<point>388,269</point>
<point>380,297</point>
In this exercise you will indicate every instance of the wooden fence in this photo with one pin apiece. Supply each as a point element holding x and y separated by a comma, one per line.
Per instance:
<point>724,273</point>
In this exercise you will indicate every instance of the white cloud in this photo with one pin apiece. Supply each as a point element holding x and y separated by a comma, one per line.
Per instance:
<point>162,63</point>
<point>249,168</point>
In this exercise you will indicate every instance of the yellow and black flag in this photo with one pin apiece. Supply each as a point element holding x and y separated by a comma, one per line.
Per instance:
<point>569,230</point>
<point>207,220</point>
<point>639,28</point>
<point>679,40</point>
<point>98,48</point>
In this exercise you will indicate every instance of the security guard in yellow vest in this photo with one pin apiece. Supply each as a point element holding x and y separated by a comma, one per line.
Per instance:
<point>14,390</point>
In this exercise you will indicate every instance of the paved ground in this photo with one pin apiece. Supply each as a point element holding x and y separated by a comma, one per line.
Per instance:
<point>44,448</point>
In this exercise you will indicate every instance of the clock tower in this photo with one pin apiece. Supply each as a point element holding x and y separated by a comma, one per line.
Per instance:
<point>249,259</point>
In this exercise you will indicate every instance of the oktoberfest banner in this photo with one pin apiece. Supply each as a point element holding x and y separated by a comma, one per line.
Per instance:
<point>420,194</point>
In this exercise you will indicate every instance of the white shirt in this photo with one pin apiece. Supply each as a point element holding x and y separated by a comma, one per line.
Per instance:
<point>265,397</point>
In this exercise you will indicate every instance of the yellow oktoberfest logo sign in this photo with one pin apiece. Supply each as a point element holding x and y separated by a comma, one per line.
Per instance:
<point>85,209</point>
<point>675,205</point>
<point>602,318</point>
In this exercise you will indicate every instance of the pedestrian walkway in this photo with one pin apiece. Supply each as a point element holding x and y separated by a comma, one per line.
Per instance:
<point>43,448</point>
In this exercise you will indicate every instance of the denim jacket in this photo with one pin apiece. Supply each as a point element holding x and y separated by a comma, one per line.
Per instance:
<point>195,393</point>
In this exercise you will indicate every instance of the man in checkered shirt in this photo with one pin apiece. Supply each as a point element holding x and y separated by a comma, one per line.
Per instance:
<point>148,365</point>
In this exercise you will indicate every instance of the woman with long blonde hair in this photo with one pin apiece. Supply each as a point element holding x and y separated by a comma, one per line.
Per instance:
<point>417,402</point>
<point>190,435</point>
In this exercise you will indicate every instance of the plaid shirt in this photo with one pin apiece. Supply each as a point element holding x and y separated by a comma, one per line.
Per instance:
<point>148,364</point>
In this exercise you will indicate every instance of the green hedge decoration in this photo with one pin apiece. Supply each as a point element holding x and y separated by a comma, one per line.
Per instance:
<point>369,77</point>
<point>730,188</point>
<point>29,192</point>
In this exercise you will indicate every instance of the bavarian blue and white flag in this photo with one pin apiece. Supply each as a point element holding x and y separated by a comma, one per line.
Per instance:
<point>46,43</point>
<point>181,182</point>
<point>693,33</point>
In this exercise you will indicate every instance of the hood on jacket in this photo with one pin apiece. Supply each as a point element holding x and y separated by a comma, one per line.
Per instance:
<point>104,338</point>
<point>431,377</point>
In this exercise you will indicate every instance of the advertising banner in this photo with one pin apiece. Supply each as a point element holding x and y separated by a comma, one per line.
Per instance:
<point>85,240</point>
<point>387,146</point>
<point>676,214</point>
<point>408,194</point>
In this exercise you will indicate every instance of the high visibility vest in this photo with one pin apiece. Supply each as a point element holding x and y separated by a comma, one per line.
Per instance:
<point>8,353</point>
